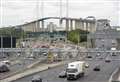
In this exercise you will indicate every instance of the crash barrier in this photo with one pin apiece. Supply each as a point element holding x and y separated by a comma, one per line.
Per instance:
<point>55,50</point>
<point>115,76</point>
<point>24,69</point>
<point>32,71</point>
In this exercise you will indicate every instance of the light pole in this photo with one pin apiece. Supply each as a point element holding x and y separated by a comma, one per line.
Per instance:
<point>1,41</point>
<point>67,20</point>
<point>11,41</point>
<point>78,37</point>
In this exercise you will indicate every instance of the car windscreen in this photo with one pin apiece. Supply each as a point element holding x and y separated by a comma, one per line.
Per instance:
<point>71,70</point>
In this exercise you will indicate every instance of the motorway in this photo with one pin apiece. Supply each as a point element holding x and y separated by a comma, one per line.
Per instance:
<point>19,63</point>
<point>51,75</point>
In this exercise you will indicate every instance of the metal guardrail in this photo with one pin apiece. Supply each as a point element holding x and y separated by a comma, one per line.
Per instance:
<point>21,49</point>
<point>115,75</point>
<point>54,50</point>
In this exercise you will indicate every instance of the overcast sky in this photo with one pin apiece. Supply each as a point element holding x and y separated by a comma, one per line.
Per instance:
<point>15,12</point>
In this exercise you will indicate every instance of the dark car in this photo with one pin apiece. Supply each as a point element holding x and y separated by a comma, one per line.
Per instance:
<point>4,68</point>
<point>62,74</point>
<point>107,60</point>
<point>89,56</point>
<point>101,58</point>
<point>113,54</point>
<point>36,79</point>
<point>97,68</point>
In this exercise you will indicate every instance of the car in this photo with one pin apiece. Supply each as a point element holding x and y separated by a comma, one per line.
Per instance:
<point>18,54</point>
<point>97,68</point>
<point>89,56</point>
<point>45,53</point>
<point>36,78</point>
<point>101,58</point>
<point>113,54</point>
<point>2,57</point>
<point>4,68</point>
<point>7,62</point>
<point>45,46</point>
<point>31,56</point>
<point>86,65</point>
<point>107,60</point>
<point>98,54</point>
<point>62,74</point>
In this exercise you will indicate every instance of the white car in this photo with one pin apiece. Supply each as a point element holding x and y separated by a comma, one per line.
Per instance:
<point>62,74</point>
<point>7,62</point>
<point>87,65</point>
<point>98,54</point>
<point>18,54</point>
<point>36,78</point>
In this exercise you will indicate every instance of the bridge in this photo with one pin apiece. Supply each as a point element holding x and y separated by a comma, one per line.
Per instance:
<point>70,24</point>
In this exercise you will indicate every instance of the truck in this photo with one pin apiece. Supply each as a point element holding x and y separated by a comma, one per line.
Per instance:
<point>75,70</point>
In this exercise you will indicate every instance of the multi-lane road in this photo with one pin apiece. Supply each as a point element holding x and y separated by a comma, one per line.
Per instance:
<point>19,64</point>
<point>103,75</point>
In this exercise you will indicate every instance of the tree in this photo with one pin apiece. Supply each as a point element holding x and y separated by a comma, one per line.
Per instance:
<point>11,31</point>
<point>77,35</point>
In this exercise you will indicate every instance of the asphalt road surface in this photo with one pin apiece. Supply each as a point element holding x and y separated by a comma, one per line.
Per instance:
<point>103,75</point>
<point>18,66</point>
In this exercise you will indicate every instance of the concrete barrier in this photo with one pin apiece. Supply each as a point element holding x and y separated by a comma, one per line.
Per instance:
<point>115,76</point>
<point>36,63</point>
<point>22,70</point>
<point>15,62</point>
<point>32,71</point>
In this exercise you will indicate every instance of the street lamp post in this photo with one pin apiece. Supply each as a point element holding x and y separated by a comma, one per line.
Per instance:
<point>1,42</point>
<point>78,37</point>
<point>1,45</point>
<point>11,41</point>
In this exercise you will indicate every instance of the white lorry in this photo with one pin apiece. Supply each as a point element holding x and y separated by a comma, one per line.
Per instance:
<point>75,70</point>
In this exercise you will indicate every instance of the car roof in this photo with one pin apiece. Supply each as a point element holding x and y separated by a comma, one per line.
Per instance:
<point>76,62</point>
<point>36,77</point>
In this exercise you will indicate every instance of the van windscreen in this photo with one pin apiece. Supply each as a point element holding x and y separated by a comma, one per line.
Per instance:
<point>71,70</point>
